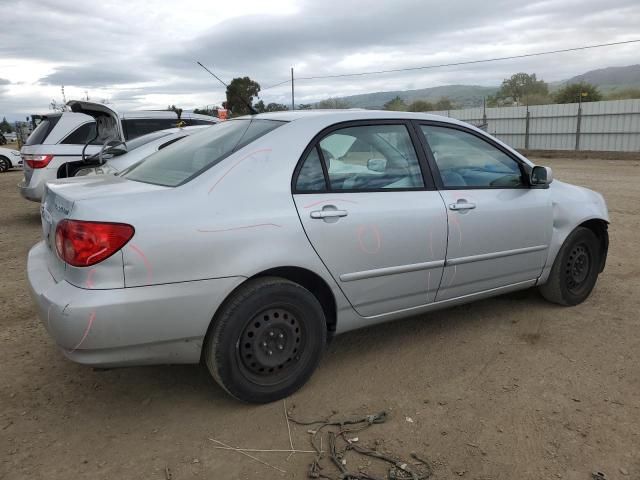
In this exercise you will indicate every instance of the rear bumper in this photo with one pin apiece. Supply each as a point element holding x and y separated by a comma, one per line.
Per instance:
<point>33,193</point>
<point>155,324</point>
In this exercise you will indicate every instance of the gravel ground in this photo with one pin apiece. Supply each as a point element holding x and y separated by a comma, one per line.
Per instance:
<point>506,388</point>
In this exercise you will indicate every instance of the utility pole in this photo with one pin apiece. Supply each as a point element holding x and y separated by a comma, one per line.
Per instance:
<point>293,103</point>
<point>579,119</point>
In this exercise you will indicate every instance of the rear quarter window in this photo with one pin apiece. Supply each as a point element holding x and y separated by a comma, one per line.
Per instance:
<point>178,163</point>
<point>42,131</point>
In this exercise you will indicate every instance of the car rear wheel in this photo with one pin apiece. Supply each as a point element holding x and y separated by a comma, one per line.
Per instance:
<point>5,164</point>
<point>266,341</point>
<point>575,270</point>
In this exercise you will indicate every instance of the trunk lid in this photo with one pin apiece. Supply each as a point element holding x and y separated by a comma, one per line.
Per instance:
<point>95,109</point>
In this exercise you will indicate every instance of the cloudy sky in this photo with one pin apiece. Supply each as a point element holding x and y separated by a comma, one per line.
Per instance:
<point>141,54</point>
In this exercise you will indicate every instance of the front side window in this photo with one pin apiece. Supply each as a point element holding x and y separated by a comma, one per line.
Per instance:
<point>180,162</point>
<point>371,157</point>
<point>466,161</point>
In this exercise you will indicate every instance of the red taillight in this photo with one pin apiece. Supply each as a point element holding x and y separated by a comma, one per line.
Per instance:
<point>82,244</point>
<point>37,161</point>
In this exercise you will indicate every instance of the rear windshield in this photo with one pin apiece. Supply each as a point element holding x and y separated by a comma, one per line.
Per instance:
<point>43,130</point>
<point>179,163</point>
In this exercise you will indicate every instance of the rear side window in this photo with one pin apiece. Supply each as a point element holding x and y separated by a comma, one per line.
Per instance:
<point>42,131</point>
<point>311,176</point>
<point>179,163</point>
<point>371,157</point>
<point>136,127</point>
<point>82,135</point>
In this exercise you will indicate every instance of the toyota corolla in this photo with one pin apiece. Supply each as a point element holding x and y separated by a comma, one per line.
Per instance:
<point>249,245</point>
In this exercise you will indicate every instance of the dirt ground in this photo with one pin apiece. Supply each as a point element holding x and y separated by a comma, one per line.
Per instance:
<point>507,388</point>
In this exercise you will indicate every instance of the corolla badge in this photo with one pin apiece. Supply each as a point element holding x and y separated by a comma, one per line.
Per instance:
<point>61,209</point>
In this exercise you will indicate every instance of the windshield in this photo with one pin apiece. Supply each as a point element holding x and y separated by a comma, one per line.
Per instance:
<point>181,162</point>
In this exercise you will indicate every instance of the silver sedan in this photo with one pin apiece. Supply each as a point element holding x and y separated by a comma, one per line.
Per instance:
<point>247,246</point>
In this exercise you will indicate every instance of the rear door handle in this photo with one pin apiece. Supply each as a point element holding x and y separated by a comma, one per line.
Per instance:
<point>328,213</point>
<point>462,206</point>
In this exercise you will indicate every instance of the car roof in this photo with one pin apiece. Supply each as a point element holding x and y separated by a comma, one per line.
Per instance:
<point>325,118</point>
<point>346,115</point>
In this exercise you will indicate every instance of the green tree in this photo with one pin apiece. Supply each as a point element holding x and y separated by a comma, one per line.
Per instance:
<point>177,111</point>
<point>576,92</point>
<point>520,86</point>
<point>333,103</point>
<point>396,104</point>
<point>444,104</point>
<point>5,126</point>
<point>271,107</point>
<point>212,112</point>
<point>623,94</point>
<point>240,93</point>
<point>421,106</point>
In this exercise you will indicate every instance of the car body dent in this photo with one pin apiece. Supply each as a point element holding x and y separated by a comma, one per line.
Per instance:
<point>572,206</point>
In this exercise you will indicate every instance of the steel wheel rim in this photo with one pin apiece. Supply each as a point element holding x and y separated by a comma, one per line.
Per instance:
<point>578,267</point>
<point>272,345</point>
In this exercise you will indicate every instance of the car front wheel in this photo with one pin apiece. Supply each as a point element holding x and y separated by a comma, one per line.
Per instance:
<point>266,340</point>
<point>575,270</point>
<point>5,164</point>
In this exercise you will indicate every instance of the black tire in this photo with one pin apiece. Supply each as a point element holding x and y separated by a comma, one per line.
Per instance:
<point>266,340</point>
<point>575,269</point>
<point>5,164</point>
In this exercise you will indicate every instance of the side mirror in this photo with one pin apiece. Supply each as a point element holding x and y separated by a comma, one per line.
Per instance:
<point>377,164</point>
<point>541,175</point>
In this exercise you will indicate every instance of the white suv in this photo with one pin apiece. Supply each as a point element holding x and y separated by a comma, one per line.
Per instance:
<point>60,142</point>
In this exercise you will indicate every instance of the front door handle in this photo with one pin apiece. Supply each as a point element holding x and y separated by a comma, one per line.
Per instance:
<point>328,213</point>
<point>462,205</point>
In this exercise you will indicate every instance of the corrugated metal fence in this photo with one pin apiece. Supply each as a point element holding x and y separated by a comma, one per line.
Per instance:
<point>605,126</point>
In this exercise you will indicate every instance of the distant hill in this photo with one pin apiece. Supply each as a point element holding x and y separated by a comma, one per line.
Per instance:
<point>466,96</point>
<point>610,78</point>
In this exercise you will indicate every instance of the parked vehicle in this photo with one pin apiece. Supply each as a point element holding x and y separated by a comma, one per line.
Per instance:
<point>248,245</point>
<point>121,156</point>
<point>61,142</point>
<point>9,158</point>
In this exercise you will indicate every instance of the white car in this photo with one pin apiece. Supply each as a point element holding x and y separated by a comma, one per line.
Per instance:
<point>61,141</point>
<point>123,155</point>
<point>9,158</point>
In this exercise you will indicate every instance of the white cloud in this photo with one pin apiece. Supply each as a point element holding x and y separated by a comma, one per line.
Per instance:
<point>142,54</point>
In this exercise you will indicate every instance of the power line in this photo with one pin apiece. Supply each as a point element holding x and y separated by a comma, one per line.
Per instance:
<point>470,62</point>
